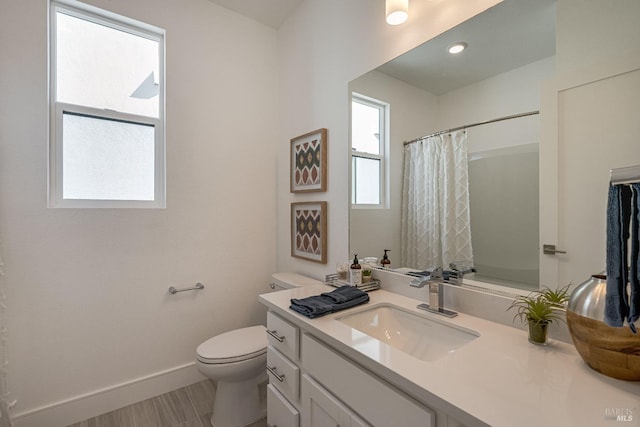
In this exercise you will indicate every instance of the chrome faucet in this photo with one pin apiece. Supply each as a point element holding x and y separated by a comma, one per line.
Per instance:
<point>434,276</point>
<point>456,272</point>
<point>435,281</point>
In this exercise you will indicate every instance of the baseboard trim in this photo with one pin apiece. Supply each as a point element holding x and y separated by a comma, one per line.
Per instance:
<point>88,405</point>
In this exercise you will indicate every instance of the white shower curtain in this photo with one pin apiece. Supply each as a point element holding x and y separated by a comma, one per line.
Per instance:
<point>436,227</point>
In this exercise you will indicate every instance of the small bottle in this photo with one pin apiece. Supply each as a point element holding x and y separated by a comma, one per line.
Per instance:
<point>386,262</point>
<point>355,272</point>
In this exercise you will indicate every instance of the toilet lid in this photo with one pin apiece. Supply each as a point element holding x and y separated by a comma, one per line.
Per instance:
<point>234,346</point>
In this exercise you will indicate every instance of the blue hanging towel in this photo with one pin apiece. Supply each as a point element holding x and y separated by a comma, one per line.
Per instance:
<point>634,268</point>
<point>618,219</point>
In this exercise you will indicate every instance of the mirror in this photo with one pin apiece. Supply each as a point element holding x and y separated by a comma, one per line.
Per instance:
<point>510,52</point>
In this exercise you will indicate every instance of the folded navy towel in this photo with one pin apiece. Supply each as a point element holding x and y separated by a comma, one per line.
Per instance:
<point>329,302</point>
<point>315,306</point>
<point>344,294</point>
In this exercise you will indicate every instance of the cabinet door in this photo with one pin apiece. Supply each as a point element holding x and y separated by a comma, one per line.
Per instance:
<point>321,409</point>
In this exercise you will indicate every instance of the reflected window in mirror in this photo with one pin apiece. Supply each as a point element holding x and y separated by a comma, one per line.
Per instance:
<point>369,152</point>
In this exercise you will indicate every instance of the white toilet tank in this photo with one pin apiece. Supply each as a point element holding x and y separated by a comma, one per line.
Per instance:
<point>288,280</point>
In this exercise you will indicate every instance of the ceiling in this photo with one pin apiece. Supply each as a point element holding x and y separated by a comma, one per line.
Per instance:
<point>268,12</point>
<point>507,36</point>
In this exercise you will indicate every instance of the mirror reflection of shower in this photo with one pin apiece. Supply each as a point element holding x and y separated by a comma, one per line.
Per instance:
<point>506,239</point>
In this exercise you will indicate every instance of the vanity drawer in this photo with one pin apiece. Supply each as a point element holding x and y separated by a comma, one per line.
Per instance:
<point>283,336</point>
<point>280,412</point>
<point>361,391</point>
<point>283,374</point>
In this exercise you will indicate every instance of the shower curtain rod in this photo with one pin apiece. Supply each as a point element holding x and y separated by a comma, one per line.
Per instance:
<point>628,175</point>
<point>513,116</point>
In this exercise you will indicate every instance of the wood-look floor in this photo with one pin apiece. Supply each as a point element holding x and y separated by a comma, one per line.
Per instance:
<point>186,407</point>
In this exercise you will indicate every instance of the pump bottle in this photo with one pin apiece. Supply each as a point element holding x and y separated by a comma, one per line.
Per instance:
<point>386,262</point>
<point>355,272</point>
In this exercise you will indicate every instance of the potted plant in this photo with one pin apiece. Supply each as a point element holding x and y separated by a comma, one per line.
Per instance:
<point>540,309</point>
<point>366,276</point>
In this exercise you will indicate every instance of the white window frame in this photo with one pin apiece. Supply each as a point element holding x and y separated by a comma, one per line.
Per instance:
<point>384,110</point>
<point>57,110</point>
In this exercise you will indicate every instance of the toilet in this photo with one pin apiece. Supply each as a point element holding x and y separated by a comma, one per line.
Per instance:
<point>237,361</point>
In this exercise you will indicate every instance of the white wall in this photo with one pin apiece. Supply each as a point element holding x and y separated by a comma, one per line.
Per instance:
<point>88,307</point>
<point>519,91</point>
<point>323,46</point>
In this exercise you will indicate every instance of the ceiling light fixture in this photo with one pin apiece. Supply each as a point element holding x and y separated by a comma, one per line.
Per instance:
<point>457,48</point>
<point>397,11</point>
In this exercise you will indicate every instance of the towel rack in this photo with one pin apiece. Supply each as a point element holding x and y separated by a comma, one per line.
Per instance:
<point>628,175</point>
<point>198,286</point>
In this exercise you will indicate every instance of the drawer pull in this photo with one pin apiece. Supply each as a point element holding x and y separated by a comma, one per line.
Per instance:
<point>273,372</point>
<point>274,334</point>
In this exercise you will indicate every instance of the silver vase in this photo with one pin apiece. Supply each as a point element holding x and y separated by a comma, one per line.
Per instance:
<point>588,298</point>
<point>614,352</point>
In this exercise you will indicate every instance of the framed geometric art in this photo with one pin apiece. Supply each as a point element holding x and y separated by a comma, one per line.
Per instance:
<point>309,231</point>
<point>309,162</point>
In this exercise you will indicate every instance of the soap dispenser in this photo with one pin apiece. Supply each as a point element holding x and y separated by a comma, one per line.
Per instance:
<point>386,262</point>
<point>355,272</point>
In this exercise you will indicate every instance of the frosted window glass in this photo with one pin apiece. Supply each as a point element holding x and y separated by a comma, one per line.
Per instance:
<point>365,128</point>
<point>366,180</point>
<point>101,67</point>
<point>106,159</point>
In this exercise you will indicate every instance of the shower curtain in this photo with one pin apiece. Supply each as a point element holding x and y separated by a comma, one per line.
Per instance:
<point>436,225</point>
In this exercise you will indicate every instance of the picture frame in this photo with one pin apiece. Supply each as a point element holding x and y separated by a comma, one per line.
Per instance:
<point>309,231</point>
<point>308,162</point>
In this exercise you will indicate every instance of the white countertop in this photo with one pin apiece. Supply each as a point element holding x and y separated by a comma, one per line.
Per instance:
<point>498,379</point>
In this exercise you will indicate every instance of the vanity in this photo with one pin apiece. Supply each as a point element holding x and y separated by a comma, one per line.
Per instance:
<point>332,371</point>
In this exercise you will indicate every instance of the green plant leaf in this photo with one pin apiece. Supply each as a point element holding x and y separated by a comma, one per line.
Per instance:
<point>542,307</point>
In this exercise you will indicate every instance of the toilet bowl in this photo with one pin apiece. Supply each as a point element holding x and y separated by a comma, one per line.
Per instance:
<point>237,361</point>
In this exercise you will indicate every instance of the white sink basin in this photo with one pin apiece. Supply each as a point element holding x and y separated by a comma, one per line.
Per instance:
<point>419,336</point>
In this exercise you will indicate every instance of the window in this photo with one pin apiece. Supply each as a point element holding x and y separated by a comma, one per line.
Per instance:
<point>107,110</point>
<point>369,138</point>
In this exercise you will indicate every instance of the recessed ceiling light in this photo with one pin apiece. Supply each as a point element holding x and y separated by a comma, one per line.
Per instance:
<point>457,48</point>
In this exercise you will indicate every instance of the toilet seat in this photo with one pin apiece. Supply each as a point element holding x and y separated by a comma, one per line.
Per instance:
<point>234,346</point>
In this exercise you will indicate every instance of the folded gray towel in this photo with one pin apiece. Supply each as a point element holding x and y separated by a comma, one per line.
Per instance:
<point>329,302</point>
